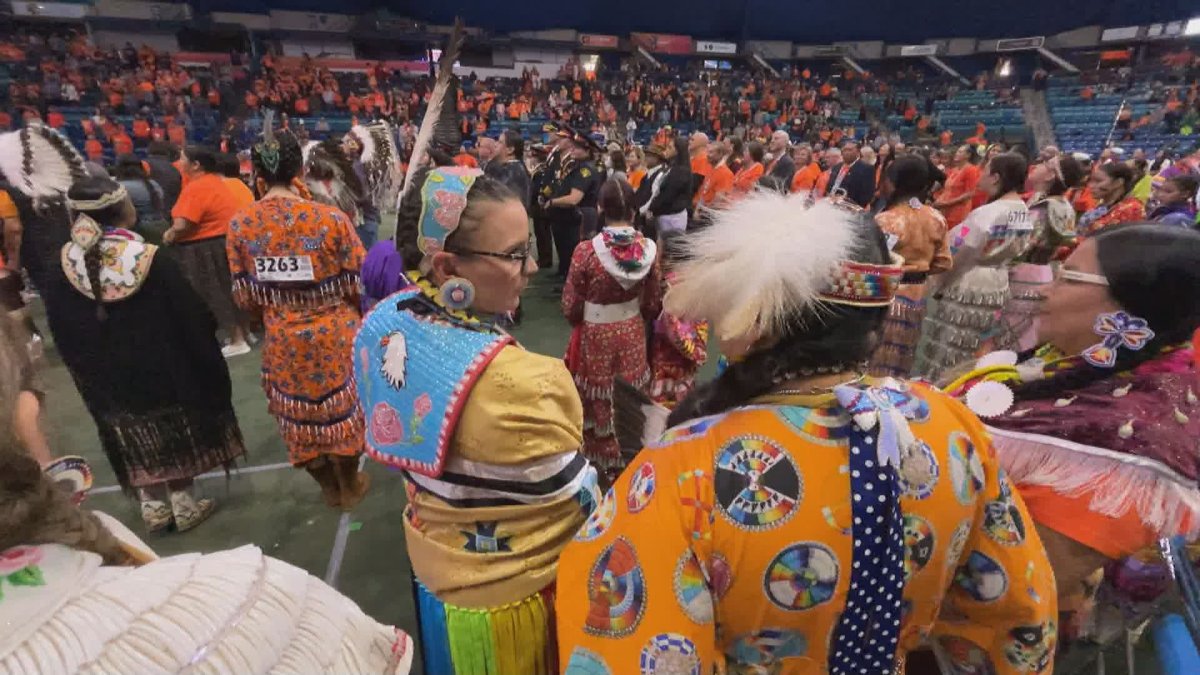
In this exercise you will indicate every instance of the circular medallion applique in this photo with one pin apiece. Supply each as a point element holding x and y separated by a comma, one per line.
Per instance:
<point>801,577</point>
<point>757,485</point>
<point>720,575</point>
<point>685,432</point>
<point>691,589</point>
<point>823,426</point>
<point>616,591</point>
<point>981,578</point>
<point>1002,519</point>
<point>641,488</point>
<point>1029,649</point>
<point>918,470</point>
<point>769,645</point>
<point>695,496</point>
<point>966,468</point>
<point>584,662</point>
<point>965,657</point>
<point>918,545</point>
<point>670,654</point>
<point>597,523</point>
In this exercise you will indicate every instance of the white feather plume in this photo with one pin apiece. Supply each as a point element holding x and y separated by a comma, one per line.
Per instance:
<point>53,168</point>
<point>306,150</point>
<point>762,262</point>
<point>395,359</point>
<point>433,112</point>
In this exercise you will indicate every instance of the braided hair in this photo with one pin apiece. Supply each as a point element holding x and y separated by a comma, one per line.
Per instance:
<point>278,158</point>
<point>90,189</point>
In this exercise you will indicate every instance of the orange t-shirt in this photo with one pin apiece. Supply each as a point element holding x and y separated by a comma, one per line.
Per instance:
<point>636,178</point>
<point>241,194</point>
<point>56,120</point>
<point>141,129</point>
<point>716,185</point>
<point>747,178</point>
<point>177,134</point>
<point>8,209</point>
<point>207,202</point>
<point>93,149</point>
<point>122,144</point>
<point>959,182</point>
<point>806,178</point>
<point>463,159</point>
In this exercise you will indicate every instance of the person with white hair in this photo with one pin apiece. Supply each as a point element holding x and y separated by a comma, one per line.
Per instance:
<point>782,168</point>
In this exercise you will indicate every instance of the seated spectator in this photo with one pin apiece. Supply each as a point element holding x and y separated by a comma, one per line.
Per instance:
<point>93,149</point>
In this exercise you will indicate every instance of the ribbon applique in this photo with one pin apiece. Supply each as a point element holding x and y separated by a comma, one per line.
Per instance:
<point>1117,329</point>
<point>889,407</point>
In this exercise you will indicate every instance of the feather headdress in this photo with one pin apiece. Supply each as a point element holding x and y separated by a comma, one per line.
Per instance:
<point>330,177</point>
<point>39,161</point>
<point>770,259</point>
<point>381,161</point>
<point>442,112</point>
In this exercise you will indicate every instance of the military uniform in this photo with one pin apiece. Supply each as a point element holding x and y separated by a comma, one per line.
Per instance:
<point>542,187</point>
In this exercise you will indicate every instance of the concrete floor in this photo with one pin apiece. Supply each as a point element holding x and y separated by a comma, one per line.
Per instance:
<point>279,509</point>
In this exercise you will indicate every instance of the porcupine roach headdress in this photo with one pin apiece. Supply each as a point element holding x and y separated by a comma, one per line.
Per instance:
<point>39,161</point>
<point>439,126</point>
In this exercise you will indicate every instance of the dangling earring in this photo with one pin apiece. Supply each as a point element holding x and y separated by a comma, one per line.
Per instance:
<point>457,293</point>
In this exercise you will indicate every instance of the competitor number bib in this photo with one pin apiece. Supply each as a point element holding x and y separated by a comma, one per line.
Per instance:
<point>283,268</point>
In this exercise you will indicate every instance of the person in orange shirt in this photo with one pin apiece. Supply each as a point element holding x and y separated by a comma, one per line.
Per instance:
<point>122,143</point>
<point>980,136</point>
<point>141,130</point>
<point>93,149</point>
<point>718,184</point>
<point>636,166</point>
<point>55,119</point>
<point>301,105</point>
<point>954,201</point>
<point>200,221</point>
<point>231,172</point>
<point>807,171</point>
<point>946,137</point>
<point>752,170</point>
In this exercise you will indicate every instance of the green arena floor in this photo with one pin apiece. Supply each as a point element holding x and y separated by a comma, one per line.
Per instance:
<point>279,509</point>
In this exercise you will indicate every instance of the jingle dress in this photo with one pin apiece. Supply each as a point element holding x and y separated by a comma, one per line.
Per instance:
<point>921,239</point>
<point>969,298</point>
<point>151,373</point>
<point>768,539</point>
<point>487,436</point>
<point>1053,228</point>
<point>310,313</point>
<point>612,290</point>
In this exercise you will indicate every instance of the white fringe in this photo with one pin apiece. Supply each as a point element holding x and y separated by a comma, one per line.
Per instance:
<point>1164,500</point>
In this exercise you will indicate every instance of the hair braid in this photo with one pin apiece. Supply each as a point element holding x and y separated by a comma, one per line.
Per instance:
<point>91,260</point>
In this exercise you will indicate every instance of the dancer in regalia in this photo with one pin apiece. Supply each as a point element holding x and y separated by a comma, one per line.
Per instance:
<point>801,516</point>
<point>486,434</point>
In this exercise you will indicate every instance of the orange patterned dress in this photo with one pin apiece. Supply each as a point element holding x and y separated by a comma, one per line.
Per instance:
<point>738,543</point>
<point>297,263</point>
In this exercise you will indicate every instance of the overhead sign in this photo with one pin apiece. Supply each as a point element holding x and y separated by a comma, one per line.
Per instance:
<point>660,43</point>
<point>1018,44</point>
<point>709,47</point>
<point>55,10</point>
<point>311,21</point>
<point>596,41</point>
<point>831,51</point>
<point>918,50</point>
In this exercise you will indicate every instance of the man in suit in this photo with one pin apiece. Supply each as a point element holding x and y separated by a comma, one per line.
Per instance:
<point>853,177</point>
<point>782,168</point>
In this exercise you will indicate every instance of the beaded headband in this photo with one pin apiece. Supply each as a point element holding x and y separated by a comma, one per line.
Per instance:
<point>443,200</point>
<point>863,284</point>
<point>102,202</point>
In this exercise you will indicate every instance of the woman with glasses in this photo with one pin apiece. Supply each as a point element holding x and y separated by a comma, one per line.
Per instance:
<point>296,263</point>
<point>486,434</point>
<point>612,290</point>
<point>1097,428</point>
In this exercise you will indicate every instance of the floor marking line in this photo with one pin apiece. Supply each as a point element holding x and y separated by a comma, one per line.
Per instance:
<point>339,542</point>
<point>205,476</point>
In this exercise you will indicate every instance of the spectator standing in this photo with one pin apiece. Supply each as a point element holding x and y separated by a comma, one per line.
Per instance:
<point>508,166</point>
<point>231,171</point>
<point>782,168</point>
<point>197,236</point>
<point>1112,186</point>
<point>962,178</point>
<point>147,198</point>
<point>160,165</point>
<point>854,177</point>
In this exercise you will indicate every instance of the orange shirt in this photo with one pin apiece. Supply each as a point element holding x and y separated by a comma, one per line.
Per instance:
<point>701,165</point>
<point>636,177</point>
<point>122,143</point>
<point>717,184</point>
<point>463,159</point>
<point>207,202</point>
<point>806,178</point>
<point>241,194</point>
<point>747,178</point>
<point>56,120</point>
<point>8,209</point>
<point>94,150</point>
<point>959,182</point>
<point>141,129</point>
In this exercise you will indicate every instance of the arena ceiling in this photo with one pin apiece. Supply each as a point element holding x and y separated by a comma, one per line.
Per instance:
<point>806,21</point>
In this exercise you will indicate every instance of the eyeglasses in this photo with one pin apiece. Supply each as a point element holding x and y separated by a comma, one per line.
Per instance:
<point>520,255</point>
<point>1082,277</point>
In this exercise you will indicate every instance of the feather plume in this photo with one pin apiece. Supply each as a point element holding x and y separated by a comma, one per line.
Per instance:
<point>39,161</point>
<point>762,263</point>
<point>439,99</point>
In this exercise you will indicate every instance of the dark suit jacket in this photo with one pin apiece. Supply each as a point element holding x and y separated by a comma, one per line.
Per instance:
<point>859,183</point>
<point>780,176</point>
